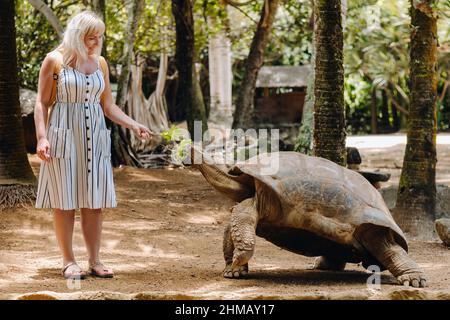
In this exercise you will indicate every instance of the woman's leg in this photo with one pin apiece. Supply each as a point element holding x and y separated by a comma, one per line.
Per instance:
<point>91,223</point>
<point>63,222</point>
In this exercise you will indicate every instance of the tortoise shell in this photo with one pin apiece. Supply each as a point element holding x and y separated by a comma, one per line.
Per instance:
<point>315,206</point>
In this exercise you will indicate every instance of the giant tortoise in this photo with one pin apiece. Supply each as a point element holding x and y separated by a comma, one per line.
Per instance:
<point>310,206</point>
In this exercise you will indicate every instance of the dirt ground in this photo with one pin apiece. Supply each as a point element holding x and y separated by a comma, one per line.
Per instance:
<point>164,241</point>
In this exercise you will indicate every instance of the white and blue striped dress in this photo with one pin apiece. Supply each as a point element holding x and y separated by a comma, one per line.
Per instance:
<point>79,174</point>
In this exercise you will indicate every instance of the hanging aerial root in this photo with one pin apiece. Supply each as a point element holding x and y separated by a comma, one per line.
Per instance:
<point>16,195</point>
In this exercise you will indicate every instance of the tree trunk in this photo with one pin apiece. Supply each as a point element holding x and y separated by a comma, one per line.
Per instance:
<point>121,151</point>
<point>373,111</point>
<point>394,96</point>
<point>135,9</point>
<point>189,102</point>
<point>48,13</point>
<point>447,98</point>
<point>99,7</point>
<point>254,62</point>
<point>17,181</point>
<point>385,124</point>
<point>329,118</point>
<point>151,112</point>
<point>395,118</point>
<point>416,198</point>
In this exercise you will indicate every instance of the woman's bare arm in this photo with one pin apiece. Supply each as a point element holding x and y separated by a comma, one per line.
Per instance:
<point>43,102</point>
<point>115,114</point>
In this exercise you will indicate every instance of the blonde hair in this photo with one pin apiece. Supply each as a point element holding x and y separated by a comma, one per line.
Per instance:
<point>81,25</point>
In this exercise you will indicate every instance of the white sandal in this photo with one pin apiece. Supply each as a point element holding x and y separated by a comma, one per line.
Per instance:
<point>75,274</point>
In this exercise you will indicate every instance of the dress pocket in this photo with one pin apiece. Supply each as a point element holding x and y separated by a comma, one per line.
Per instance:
<point>106,142</point>
<point>61,141</point>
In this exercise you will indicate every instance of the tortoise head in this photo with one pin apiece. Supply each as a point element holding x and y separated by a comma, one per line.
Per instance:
<point>230,181</point>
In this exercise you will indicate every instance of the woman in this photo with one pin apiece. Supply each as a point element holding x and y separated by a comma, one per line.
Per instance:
<point>74,143</point>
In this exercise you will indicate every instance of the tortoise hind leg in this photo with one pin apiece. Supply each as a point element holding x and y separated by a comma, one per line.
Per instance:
<point>382,245</point>
<point>329,263</point>
<point>239,239</point>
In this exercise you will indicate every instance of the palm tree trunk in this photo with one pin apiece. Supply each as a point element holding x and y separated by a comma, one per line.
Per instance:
<point>416,198</point>
<point>189,96</point>
<point>17,181</point>
<point>329,117</point>
<point>254,62</point>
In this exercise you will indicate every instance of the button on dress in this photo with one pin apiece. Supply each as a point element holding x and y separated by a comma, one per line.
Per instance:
<point>79,174</point>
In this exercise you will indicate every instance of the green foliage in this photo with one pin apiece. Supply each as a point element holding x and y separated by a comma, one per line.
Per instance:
<point>174,134</point>
<point>357,98</point>
<point>291,35</point>
<point>181,150</point>
<point>290,40</point>
<point>156,32</point>
<point>376,44</point>
<point>35,38</point>
<point>180,142</point>
<point>116,19</point>
<point>376,52</point>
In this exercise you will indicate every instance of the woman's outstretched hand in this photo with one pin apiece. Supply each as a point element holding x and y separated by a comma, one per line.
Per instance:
<point>141,131</point>
<point>43,149</point>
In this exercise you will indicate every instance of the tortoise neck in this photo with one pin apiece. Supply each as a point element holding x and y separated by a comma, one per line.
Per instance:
<point>237,188</point>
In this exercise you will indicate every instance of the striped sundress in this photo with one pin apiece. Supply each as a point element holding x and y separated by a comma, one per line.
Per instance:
<point>79,174</point>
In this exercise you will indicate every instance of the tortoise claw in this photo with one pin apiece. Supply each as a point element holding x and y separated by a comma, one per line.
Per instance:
<point>416,280</point>
<point>235,273</point>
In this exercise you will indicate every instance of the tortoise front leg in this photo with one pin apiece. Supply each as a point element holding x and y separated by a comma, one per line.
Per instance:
<point>228,251</point>
<point>239,239</point>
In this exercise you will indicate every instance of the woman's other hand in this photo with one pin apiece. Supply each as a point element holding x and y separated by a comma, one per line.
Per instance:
<point>141,131</point>
<point>43,149</point>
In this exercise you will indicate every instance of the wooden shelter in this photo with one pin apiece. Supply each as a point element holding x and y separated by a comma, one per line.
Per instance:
<point>281,94</point>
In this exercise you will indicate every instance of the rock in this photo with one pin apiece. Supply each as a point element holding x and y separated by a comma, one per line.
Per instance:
<point>44,295</point>
<point>353,156</point>
<point>443,230</point>
<point>27,101</point>
<point>442,201</point>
